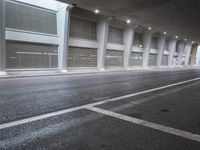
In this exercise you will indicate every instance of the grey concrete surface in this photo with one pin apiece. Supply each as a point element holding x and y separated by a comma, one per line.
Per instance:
<point>176,107</point>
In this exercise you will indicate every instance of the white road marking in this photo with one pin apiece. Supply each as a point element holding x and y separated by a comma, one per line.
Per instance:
<point>162,128</point>
<point>57,113</point>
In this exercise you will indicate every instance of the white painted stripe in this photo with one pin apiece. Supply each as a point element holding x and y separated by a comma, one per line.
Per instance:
<point>57,113</point>
<point>169,130</point>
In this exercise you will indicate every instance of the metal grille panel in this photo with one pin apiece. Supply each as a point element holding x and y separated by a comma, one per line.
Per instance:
<point>138,40</point>
<point>153,59</point>
<point>114,58</point>
<point>154,43</point>
<point>165,60</point>
<point>80,28</point>
<point>115,35</point>
<point>82,57</point>
<point>136,59</point>
<point>166,47</point>
<point>25,17</point>
<point>20,55</point>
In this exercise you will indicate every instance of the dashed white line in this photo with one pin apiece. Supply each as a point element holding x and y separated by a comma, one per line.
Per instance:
<point>57,113</point>
<point>162,128</point>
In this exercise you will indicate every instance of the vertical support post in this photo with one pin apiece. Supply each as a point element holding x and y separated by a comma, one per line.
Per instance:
<point>63,30</point>
<point>181,47</point>
<point>187,52</point>
<point>172,49</point>
<point>146,41</point>
<point>161,44</point>
<point>128,42</point>
<point>193,54</point>
<point>103,26</point>
<point>2,38</point>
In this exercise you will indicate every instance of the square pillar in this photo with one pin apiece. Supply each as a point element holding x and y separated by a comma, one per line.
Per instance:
<point>161,44</point>
<point>187,51</point>
<point>103,26</point>
<point>2,38</point>
<point>128,44</point>
<point>63,30</point>
<point>172,49</point>
<point>146,41</point>
<point>181,47</point>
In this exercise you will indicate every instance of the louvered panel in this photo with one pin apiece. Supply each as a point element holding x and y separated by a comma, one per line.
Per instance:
<point>114,58</point>
<point>136,59</point>
<point>152,59</point>
<point>166,47</point>
<point>21,55</point>
<point>82,57</point>
<point>115,35</point>
<point>25,17</point>
<point>154,43</point>
<point>165,60</point>
<point>138,40</point>
<point>80,28</point>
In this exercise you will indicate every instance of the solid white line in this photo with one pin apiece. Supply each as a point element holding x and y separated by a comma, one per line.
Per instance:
<point>169,130</point>
<point>57,113</point>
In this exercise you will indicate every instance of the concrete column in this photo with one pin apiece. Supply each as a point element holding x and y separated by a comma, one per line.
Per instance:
<point>146,42</point>
<point>161,44</point>
<point>187,52</point>
<point>181,47</point>
<point>2,38</point>
<point>192,60</point>
<point>63,30</point>
<point>128,43</point>
<point>172,49</point>
<point>103,26</point>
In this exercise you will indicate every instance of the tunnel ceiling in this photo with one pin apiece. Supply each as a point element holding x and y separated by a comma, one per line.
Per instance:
<point>177,17</point>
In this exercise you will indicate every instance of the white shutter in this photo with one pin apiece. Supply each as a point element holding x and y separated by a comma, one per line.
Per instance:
<point>21,55</point>
<point>153,59</point>
<point>24,17</point>
<point>114,58</point>
<point>82,57</point>
<point>80,28</point>
<point>165,60</point>
<point>115,35</point>
<point>136,59</point>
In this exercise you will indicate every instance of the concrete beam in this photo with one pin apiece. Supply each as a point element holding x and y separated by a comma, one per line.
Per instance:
<point>128,43</point>
<point>2,38</point>
<point>103,26</point>
<point>161,44</point>
<point>146,41</point>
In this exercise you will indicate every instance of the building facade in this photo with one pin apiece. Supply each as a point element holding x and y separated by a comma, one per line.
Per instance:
<point>41,35</point>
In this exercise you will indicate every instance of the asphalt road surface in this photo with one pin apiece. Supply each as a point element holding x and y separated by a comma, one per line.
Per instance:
<point>133,110</point>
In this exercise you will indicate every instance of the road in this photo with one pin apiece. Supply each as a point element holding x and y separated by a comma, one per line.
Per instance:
<point>133,110</point>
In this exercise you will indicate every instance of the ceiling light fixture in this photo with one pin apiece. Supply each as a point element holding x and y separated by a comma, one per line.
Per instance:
<point>128,21</point>
<point>149,28</point>
<point>185,39</point>
<point>96,11</point>
<point>165,33</point>
<point>176,36</point>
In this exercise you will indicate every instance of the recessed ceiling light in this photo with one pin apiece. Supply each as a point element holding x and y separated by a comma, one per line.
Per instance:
<point>149,28</point>
<point>96,11</point>
<point>128,21</point>
<point>176,36</point>
<point>192,42</point>
<point>165,33</point>
<point>185,39</point>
